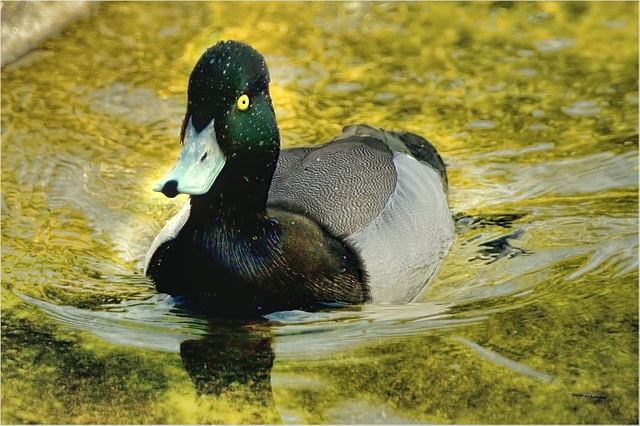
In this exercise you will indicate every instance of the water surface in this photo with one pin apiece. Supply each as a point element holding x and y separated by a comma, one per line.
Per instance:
<point>532,318</point>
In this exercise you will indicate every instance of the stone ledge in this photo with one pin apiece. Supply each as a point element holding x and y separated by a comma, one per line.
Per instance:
<point>25,24</point>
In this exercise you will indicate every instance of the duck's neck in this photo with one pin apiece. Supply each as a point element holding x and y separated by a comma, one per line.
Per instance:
<point>238,196</point>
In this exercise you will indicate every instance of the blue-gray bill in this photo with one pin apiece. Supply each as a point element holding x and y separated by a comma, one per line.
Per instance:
<point>199,163</point>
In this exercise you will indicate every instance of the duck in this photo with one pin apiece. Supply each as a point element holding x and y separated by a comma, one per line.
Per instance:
<point>361,219</point>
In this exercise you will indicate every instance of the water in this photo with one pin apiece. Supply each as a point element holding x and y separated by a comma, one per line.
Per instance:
<point>532,318</point>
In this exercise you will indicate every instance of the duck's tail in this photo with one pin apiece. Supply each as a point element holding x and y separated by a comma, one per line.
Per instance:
<point>424,151</point>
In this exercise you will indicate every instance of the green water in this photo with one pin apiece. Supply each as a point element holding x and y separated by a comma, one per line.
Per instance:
<point>533,317</point>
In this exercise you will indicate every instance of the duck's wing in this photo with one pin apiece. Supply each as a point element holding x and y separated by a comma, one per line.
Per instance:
<point>346,183</point>
<point>342,185</point>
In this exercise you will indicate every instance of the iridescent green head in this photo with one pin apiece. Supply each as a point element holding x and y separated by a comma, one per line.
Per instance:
<point>229,119</point>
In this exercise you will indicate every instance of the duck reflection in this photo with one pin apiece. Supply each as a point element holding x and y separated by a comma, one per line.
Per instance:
<point>234,360</point>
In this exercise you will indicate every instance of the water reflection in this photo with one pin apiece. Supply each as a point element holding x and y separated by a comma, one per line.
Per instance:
<point>536,114</point>
<point>232,360</point>
<point>232,355</point>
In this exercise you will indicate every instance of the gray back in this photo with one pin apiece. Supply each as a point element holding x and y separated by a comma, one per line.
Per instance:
<point>343,185</point>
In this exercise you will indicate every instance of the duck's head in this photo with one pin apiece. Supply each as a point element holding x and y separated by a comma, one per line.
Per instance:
<point>229,123</point>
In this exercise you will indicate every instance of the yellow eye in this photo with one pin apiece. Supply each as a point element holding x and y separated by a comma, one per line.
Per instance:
<point>243,102</point>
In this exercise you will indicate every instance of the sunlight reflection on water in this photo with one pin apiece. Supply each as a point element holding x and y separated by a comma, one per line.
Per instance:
<point>535,302</point>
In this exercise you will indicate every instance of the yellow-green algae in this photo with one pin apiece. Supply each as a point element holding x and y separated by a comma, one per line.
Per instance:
<point>435,378</point>
<point>99,108</point>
